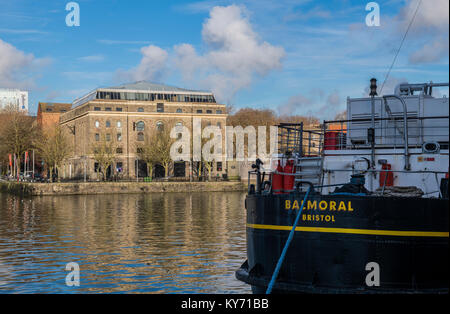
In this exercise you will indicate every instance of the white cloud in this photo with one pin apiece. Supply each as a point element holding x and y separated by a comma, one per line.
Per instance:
<point>318,104</point>
<point>122,42</point>
<point>21,31</point>
<point>234,55</point>
<point>93,58</point>
<point>432,52</point>
<point>432,24</point>
<point>295,104</point>
<point>17,68</point>
<point>151,67</point>
<point>432,15</point>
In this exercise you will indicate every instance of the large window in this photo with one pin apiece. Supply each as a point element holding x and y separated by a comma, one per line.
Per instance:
<point>140,136</point>
<point>119,124</point>
<point>140,126</point>
<point>108,123</point>
<point>160,108</point>
<point>97,137</point>
<point>97,124</point>
<point>154,96</point>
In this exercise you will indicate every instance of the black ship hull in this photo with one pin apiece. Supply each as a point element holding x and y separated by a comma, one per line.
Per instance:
<point>339,238</point>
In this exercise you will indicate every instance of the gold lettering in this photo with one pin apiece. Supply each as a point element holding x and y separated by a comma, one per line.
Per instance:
<point>303,217</point>
<point>312,205</point>
<point>332,218</point>
<point>332,205</point>
<point>309,217</point>
<point>323,205</point>
<point>288,204</point>
<point>295,205</point>
<point>350,209</point>
<point>342,206</point>
<point>327,218</point>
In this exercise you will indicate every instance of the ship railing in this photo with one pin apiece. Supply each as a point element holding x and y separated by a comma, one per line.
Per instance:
<point>295,140</point>
<point>354,134</point>
<point>264,185</point>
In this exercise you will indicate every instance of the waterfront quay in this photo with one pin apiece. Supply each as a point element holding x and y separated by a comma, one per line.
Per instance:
<point>98,188</point>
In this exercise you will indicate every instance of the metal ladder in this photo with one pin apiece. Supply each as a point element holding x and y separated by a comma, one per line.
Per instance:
<point>309,169</point>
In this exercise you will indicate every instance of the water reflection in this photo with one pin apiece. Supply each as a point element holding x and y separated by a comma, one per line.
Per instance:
<point>153,243</point>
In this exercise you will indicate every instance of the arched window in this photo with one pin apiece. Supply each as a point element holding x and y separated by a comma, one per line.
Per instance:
<point>119,124</point>
<point>179,124</point>
<point>179,110</point>
<point>140,109</point>
<point>140,137</point>
<point>140,126</point>
<point>97,124</point>
<point>160,126</point>
<point>108,124</point>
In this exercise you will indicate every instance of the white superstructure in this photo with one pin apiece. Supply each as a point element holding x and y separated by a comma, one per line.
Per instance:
<point>14,97</point>
<point>409,131</point>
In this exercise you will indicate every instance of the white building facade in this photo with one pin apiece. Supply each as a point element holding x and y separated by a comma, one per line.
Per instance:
<point>14,97</point>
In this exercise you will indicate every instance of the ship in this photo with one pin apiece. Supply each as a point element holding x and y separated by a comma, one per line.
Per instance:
<point>356,206</point>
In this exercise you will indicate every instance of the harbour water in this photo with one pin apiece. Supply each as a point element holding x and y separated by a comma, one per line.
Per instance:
<point>141,243</point>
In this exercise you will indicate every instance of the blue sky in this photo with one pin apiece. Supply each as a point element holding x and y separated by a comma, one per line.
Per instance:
<point>295,57</point>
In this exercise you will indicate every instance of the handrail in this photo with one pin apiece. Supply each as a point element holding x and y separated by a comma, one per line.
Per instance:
<point>405,127</point>
<point>286,246</point>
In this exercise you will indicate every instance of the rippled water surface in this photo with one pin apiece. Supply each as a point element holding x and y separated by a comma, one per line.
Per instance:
<point>153,243</point>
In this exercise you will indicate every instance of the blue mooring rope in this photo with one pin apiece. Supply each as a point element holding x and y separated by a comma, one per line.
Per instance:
<point>286,246</point>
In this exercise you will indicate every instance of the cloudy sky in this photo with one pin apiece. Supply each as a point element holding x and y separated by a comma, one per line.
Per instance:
<point>292,56</point>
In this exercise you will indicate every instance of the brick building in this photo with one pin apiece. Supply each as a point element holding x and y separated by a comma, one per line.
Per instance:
<point>48,114</point>
<point>127,114</point>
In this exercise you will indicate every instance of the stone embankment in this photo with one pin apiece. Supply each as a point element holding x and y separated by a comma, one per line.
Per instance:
<point>118,187</point>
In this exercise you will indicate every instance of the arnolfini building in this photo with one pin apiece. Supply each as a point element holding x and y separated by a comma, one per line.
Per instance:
<point>127,114</point>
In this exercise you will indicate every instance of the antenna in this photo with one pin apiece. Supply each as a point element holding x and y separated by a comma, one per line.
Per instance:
<point>401,44</point>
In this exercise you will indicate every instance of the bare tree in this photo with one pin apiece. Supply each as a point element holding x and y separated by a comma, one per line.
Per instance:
<point>18,133</point>
<point>148,152</point>
<point>162,149</point>
<point>54,148</point>
<point>104,154</point>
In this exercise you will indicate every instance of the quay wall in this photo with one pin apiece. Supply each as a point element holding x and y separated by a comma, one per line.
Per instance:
<point>118,187</point>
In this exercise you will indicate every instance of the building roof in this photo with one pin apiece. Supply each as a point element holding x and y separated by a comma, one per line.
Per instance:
<point>152,87</point>
<point>50,107</point>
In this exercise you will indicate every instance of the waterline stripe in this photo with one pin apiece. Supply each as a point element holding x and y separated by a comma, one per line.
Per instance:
<point>355,231</point>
